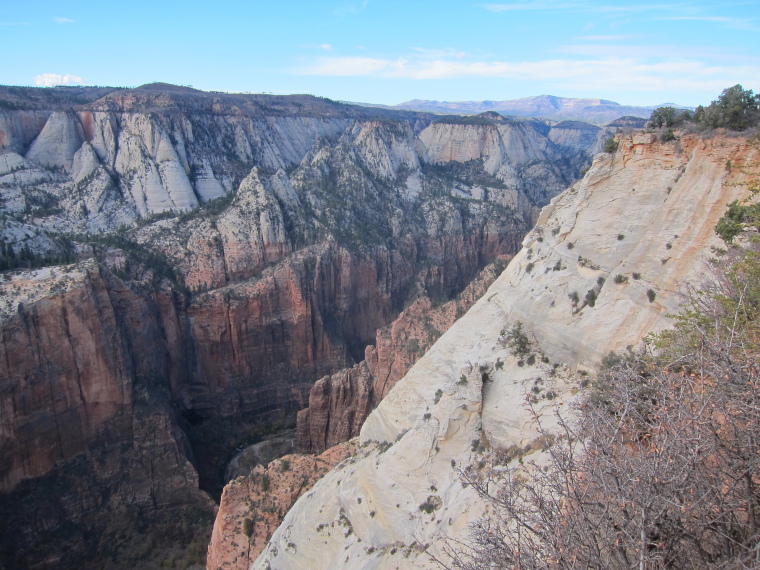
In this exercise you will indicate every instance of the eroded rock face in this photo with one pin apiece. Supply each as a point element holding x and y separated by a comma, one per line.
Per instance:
<point>339,404</point>
<point>469,391</point>
<point>55,401</point>
<point>87,431</point>
<point>172,151</point>
<point>252,507</point>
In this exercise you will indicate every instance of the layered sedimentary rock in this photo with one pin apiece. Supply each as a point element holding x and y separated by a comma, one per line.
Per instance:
<point>646,214</point>
<point>87,431</point>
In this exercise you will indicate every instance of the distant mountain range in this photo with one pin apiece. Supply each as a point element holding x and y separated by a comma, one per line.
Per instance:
<point>596,111</point>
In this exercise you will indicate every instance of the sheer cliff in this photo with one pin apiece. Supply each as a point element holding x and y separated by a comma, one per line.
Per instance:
<point>603,267</point>
<point>230,251</point>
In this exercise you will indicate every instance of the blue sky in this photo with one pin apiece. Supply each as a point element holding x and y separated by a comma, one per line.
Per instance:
<point>389,51</point>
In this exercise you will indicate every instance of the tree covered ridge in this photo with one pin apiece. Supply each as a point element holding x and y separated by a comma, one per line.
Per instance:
<point>660,468</point>
<point>737,109</point>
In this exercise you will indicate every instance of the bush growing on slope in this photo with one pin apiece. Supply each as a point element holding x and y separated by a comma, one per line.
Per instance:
<point>669,117</point>
<point>736,109</point>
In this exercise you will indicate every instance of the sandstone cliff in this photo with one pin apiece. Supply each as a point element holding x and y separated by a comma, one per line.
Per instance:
<point>87,431</point>
<point>646,214</point>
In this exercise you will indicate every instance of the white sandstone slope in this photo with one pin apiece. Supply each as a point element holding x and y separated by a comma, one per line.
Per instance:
<point>648,210</point>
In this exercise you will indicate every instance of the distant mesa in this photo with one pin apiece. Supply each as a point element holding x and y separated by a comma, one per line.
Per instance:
<point>159,86</point>
<point>596,111</point>
<point>492,115</point>
<point>629,121</point>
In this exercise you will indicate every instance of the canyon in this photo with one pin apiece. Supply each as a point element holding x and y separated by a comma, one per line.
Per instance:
<point>606,264</point>
<point>190,270</point>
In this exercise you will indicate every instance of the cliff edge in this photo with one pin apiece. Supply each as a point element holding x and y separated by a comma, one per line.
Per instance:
<point>604,266</point>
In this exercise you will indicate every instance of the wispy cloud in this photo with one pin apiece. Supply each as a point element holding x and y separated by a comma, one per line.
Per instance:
<point>648,51</point>
<point>350,8</point>
<point>326,47</point>
<point>613,38</point>
<point>437,53</point>
<point>50,79</point>
<point>532,6</point>
<point>64,20</point>
<point>347,66</point>
<point>585,6</point>
<point>738,23</point>
<point>633,8</point>
<point>608,73</point>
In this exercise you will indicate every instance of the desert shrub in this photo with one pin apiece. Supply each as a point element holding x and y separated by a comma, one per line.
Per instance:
<point>736,109</point>
<point>669,117</point>
<point>517,340</point>
<point>248,527</point>
<point>611,145</point>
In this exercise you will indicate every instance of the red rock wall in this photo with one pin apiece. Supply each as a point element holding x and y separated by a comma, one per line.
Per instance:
<point>339,403</point>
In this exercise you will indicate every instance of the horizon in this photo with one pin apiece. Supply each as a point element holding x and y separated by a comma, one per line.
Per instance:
<point>359,103</point>
<point>388,52</point>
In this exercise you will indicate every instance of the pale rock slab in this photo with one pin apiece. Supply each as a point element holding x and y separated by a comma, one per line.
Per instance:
<point>206,184</point>
<point>19,128</point>
<point>58,142</point>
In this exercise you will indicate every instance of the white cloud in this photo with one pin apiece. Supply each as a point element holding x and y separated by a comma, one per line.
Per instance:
<point>651,51</point>
<point>606,73</point>
<point>582,6</point>
<point>350,8</point>
<point>439,53</point>
<point>632,7</point>
<point>64,20</point>
<point>347,66</point>
<point>50,79</point>
<point>326,47</point>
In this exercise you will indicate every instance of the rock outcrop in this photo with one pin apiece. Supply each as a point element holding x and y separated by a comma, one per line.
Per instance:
<point>252,507</point>
<point>646,214</point>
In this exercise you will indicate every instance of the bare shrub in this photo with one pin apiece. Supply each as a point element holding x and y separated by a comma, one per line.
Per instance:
<point>660,468</point>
